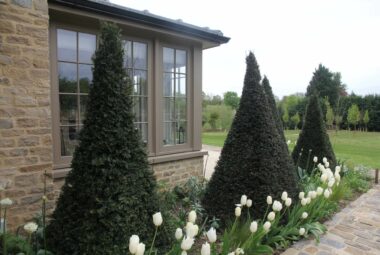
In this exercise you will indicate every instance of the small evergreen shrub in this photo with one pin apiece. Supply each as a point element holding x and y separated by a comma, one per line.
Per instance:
<point>254,158</point>
<point>313,139</point>
<point>110,193</point>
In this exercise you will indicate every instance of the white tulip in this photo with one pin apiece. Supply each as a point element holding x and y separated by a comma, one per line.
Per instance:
<point>183,253</point>
<point>271,216</point>
<point>284,196</point>
<point>326,193</point>
<point>157,219</point>
<point>269,200</point>
<point>205,250</point>
<point>327,164</point>
<point>301,195</point>
<point>249,203</point>
<point>337,176</point>
<point>239,251</point>
<point>211,235</point>
<point>324,160</point>
<point>308,194</point>
<point>304,201</point>
<point>191,230</point>
<point>337,169</point>
<point>315,159</point>
<point>304,215</point>
<point>253,226</point>
<point>277,206</point>
<point>324,177</point>
<point>288,202</point>
<point>133,243</point>
<point>192,216</point>
<point>140,249</point>
<point>237,211</point>
<point>6,202</point>
<point>321,167</point>
<point>243,200</point>
<point>302,231</point>
<point>178,233</point>
<point>319,191</point>
<point>313,194</point>
<point>308,200</point>
<point>331,183</point>
<point>266,226</point>
<point>187,243</point>
<point>30,227</point>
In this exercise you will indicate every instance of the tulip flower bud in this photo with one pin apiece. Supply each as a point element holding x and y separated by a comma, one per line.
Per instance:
<point>337,169</point>
<point>30,227</point>
<point>211,235</point>
<point>269,200</point>
<point>288,202</point>
<point>253,227</point>
<point>304,201</point>
<point>157,219</point>
<point>249,203</point>
<point>324,177</point>
<point>277,206</point>
<point>326,193</point>
<point>205,250</point>
<point>192,216</point>
<point>133,243</point>
<point>266,226</point>
<point>237,211</point>
<point>319,191</point>
<point>6,202</point>
<point>140,249</point>
<point>243,200</point>
<point>304,215</point>
<point>324,160</point>
<point>315,159</point>
<point>178,233</point>
<point>284,196</point>
<point>302,231</point>
<point>331,183</point>
<point>327,164</point>
<point>187,243</point>
<point>301,195</point>
<point>271,216</point>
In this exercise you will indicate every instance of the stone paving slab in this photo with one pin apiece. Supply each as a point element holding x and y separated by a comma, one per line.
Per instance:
<point>353,231</point>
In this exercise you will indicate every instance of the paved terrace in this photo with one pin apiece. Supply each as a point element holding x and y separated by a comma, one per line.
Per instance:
<point>355,230</point>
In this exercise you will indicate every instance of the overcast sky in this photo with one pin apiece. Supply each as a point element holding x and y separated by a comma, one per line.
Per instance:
<point>289,38</point>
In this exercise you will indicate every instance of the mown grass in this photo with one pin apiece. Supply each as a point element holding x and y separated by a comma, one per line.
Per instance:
<point>355,148</point>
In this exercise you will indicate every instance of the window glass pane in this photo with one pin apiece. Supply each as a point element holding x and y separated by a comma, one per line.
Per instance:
<point>67,77</point>
<point>168,60</point>
<point>169,133</point>
<point>139,83</point>
<point>181,85</point>
<point>128,54</point>
<point>87,46</point>
<point>85,77</point>
<point>181,132</point>
<point>169,109</point>
<point>180,104</point>
<point>68,109</point>
<point>83,107</point>
<point>139,55</point>
<point>168,85</point>
<point>69,136</point>
<point>143,129</point>
<point>140,109</point>
<point>67,45</point>
<point>180,61</point>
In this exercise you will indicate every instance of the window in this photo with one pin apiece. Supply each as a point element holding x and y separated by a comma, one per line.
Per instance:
<point>174,96</point>
<point>74,66</point>
<point>136,63</point>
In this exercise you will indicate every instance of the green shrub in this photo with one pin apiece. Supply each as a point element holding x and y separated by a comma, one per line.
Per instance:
<point>313,139</point>
<point>110,192</point>
<point>254,158</point>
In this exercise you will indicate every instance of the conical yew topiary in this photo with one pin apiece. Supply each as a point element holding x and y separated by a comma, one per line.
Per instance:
<point>254,160</point>
<point>313,139</point>
<point>272,105</point>
<point>110,192</point>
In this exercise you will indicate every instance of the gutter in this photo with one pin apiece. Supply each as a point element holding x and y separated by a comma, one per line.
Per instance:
<point>145,18</point>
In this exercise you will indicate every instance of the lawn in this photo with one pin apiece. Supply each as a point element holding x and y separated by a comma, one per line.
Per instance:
<point>357,148</point>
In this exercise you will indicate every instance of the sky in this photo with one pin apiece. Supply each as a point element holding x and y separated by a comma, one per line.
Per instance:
<point>289,39</point>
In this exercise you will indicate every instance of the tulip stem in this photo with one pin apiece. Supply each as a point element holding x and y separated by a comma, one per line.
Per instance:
<point>265,215</point>
<point>4,241</point>
<point>154,239</point>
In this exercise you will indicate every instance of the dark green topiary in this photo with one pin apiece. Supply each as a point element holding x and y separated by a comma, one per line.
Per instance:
<point>313,137</point>
<point>110,192</point>
<point>272,105</point>
<point>254,160</point>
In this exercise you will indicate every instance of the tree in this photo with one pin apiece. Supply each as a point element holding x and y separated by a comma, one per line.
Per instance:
<point>110,192</point>
<point>313,138</point>
<point>325,84</point>
<point>366,119</point>
<point>272,104</point>
<point>285,117</point>
<point>353,115</point>
<point>254,160</point>
<point>295,119</point>
<point>329,115</point>
<point>231,99</point>
<point>214,116</point>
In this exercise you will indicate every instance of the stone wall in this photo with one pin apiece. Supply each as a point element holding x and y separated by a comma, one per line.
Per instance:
<point>179,171</point>
<point>25,113</point>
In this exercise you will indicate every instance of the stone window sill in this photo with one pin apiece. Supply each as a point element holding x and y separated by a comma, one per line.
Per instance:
<point>59,172</point>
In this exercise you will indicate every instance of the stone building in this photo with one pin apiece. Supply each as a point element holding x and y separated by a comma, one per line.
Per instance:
<point>45,75</point>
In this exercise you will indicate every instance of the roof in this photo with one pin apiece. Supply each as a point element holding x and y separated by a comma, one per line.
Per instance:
<point>146,18</point>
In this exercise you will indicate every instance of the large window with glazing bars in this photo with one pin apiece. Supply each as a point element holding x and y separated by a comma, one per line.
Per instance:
<point>174,96</point>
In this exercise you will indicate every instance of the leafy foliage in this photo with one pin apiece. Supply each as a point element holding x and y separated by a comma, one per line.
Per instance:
<point>313,139</point>
<point>110,192</point>
<point>254,158</point>
<point>231,99</point>
<point>353,115</point>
